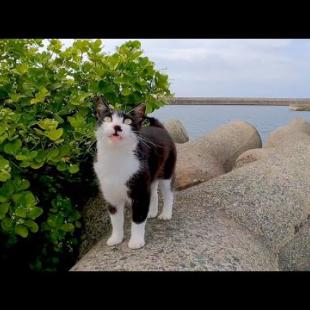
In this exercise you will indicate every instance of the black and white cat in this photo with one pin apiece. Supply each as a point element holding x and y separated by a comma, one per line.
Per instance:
<point>132,160</point>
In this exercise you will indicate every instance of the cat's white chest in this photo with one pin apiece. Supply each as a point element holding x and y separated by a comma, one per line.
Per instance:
<point>114,171</point>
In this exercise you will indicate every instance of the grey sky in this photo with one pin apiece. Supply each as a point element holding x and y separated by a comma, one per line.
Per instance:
<point>230,67</point>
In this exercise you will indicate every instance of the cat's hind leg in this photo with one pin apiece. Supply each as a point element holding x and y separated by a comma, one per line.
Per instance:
<point>166,188</point>
<point>153,210</point>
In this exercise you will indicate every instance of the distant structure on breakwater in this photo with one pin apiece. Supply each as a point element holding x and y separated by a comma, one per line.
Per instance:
<point>237,101</point>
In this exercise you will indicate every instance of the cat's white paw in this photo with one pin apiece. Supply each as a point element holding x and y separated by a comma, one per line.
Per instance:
<point>152,214</point>
<point>165,216</point>
<point>136,243</point>
<point>113,240</point>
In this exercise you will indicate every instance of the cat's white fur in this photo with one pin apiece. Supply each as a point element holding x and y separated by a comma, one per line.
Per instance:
<point>137,235</point>
<point>115,165</point>
<point>117,221</point>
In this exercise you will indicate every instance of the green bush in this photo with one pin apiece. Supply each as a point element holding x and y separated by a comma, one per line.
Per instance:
<point>47,140</point>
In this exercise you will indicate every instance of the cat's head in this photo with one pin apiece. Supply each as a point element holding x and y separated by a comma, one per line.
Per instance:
<point>118,127</point>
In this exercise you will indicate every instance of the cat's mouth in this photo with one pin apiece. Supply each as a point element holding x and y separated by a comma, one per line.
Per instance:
<point>115,137</point>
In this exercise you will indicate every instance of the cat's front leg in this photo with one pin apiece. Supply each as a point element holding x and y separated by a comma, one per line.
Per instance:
<point>117,221</point>
<point>140,210</point>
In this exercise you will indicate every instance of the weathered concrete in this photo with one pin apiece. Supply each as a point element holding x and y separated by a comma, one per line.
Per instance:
<point>237,101</point>
<point>297,131</point>
<point>295,255</point>
<point>214,154</point>
<point>253,218</point>
<point>198,239</point>
<point>177,131</point>
<point>252,155</point>
<point>270,196</point>
<point>300,106</point>
<point>96,223</point>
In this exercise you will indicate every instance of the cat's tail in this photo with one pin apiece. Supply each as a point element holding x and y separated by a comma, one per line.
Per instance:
<point>154,122</point>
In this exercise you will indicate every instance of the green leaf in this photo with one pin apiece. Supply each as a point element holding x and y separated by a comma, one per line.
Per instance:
<point>61,167</point>
<point>21,230</point>
<point>21,212</point>
<point>3,199</point>
<point>41,156</point>
<point>5,169</point>
<point>55,86</point>
<point>37,165</point>
<point>33,226</point>
<point>7,224</point>
<point>4,208</point>
<point>4,176</point>
<point>51,223</point>
<point>7,189</point>
<point>38,131</point>
<point>30,199</point>
<point>73,169</point>
<point>68,227</point>
<point>23,184</point>
<point>26,155</point>
<point>19,198</point>
<point>48,124</point>
<point>55,134</point>
<point>64,150</point>
<point>21,68</point>
<point>12,147</point>
<point>40,96</point>
<point>25,164</point>
<point>52,154</point>
<point>3,137</point>
<point>78,224</point>
<point>126,91</point>
<point>35,212</point>
<point>77,122</point>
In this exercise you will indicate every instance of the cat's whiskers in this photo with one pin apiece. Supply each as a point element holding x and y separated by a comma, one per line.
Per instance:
<point>144,142</point>
<point>147,141</point>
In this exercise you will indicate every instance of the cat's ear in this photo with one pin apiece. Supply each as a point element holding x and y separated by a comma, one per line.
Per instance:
<point>101,107</point>
<point>139,111</point>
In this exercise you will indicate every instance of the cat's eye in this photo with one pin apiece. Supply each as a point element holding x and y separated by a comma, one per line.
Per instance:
<point>107,119</point>
<point>127,121</point>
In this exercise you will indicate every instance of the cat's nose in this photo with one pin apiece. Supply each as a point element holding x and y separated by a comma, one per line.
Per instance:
<point>117,128</point>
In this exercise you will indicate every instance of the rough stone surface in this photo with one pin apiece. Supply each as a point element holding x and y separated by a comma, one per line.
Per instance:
<point>252,155</point>
<point>300,106</point>
<point>296,253</point>
<point>296,131</point>
<point>214,154</point>
<point>177,131</point>
<point>199,237</point>
<point>96,223</point>
<point>270,196</point>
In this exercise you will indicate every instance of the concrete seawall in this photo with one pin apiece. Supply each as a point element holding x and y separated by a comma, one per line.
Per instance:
<point>236,101</point>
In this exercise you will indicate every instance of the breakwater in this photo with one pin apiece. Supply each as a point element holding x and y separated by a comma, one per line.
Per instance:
<point>237,101</point>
